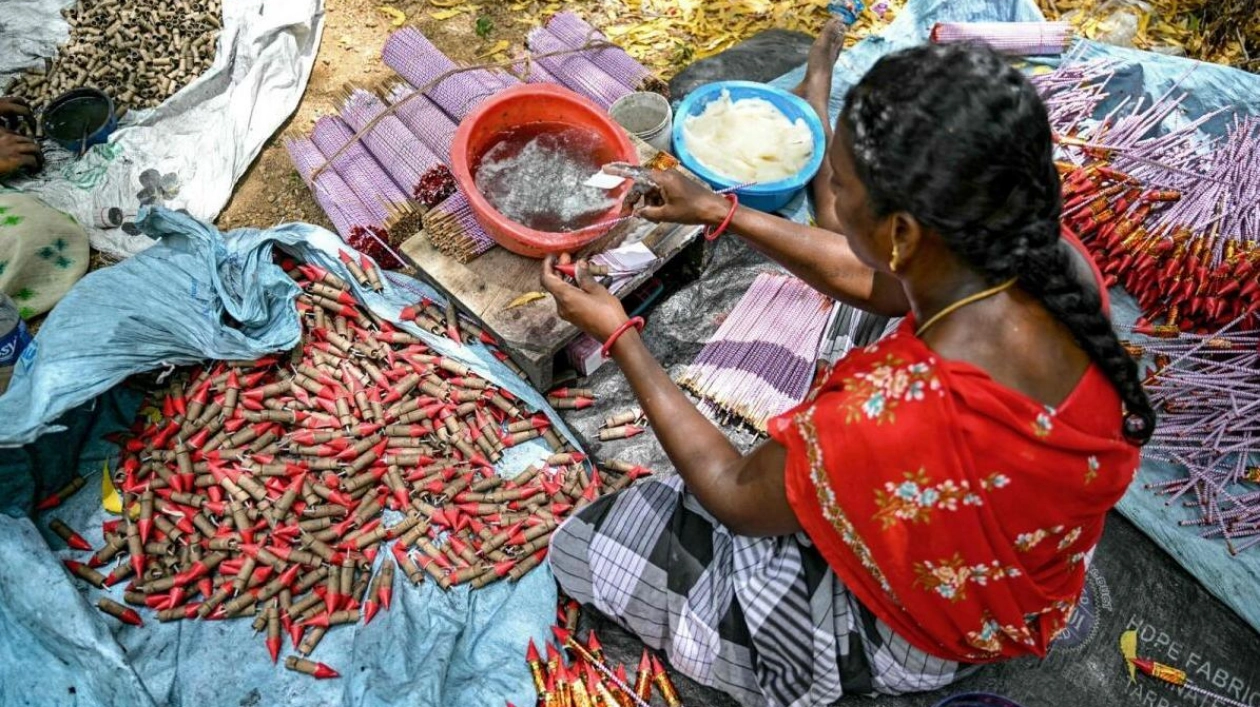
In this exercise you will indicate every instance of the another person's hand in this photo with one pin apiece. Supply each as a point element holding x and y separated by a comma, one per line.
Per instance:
<point>588,305</point>
<point>18,151</point>
<point>679,199</point>
<point>14,112</point>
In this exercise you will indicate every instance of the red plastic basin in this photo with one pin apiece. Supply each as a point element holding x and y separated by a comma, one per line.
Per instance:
<point>522,105</point>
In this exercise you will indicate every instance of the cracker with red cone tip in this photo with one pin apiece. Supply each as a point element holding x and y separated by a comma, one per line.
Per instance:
<point>124,614</point>
<point>593,645</point>
<point>61,495</point>
<point>643,678</point>
<point>71,538</point>
<point>273,633</point>
<point>319,671</point>
<point>664,684</point>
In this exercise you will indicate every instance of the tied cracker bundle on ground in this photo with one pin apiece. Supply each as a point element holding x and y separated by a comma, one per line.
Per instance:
<point>411,137</point>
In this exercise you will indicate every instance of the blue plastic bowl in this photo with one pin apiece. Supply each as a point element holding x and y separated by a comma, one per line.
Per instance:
<point>771,196</point>
<point>83,135</point>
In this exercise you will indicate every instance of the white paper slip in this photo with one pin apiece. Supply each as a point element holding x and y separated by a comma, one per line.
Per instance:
<point>601,180</point>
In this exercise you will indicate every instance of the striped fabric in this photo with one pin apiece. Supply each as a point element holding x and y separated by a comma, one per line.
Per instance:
<point>762,619</point>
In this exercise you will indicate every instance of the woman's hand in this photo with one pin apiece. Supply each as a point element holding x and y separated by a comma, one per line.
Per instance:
<point>588,306</point>
<point>18,151</point>
<point>679,199</point>
<point>14,112</point>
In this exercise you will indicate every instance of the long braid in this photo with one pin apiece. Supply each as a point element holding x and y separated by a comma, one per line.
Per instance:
<point>957,138</point>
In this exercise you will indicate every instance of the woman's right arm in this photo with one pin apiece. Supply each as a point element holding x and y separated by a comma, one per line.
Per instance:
<point>821,258</point>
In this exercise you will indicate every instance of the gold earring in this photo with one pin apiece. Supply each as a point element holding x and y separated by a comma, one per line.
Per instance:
<point>892,264</point>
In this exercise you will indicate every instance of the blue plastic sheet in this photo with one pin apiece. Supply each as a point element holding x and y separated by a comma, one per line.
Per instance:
<point>1208,87</point>
<point>200,294</point>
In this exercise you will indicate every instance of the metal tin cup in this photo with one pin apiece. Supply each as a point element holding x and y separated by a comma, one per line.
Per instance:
<point>79,119</point>
<point>647,116</point>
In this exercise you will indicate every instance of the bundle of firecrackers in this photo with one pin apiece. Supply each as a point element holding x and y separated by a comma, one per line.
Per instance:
<point>1206,389</point>
<point>1169,214</point>
<point>1177,276</point>
<point>578,674</point>
<point>258,488</point>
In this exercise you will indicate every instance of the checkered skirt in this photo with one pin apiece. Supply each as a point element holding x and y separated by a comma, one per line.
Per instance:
<point>762,619</point>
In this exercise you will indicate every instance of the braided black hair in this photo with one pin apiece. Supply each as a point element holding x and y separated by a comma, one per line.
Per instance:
<point>957,138</point>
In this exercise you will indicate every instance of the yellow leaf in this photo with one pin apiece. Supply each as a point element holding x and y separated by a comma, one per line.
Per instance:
<point>397,17</point>
<point>445,3</point>
<point>525,299</point>
<point>447,14</point>
<point>110,500</point>
<point>499,47</point>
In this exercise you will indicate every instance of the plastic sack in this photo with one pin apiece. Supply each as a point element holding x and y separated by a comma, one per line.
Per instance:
<point>200,294</point>
<point>188,152</point>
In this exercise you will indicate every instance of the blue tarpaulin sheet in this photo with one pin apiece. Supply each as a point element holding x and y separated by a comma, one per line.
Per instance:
<point>1234,580</point>
<point>169,306</point>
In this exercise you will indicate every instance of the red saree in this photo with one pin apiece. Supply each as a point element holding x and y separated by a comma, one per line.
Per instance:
<point>957,510</point>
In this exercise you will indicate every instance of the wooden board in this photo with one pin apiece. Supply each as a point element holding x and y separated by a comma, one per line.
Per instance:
<point>533,333</point>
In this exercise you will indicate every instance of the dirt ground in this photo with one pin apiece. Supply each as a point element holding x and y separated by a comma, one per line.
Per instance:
<point>350,54</point>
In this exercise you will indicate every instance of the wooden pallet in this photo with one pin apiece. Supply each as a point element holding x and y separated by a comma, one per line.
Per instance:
<point>533,334</point>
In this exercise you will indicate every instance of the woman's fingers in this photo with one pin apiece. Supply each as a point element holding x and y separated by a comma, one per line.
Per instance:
<point>584,279</point>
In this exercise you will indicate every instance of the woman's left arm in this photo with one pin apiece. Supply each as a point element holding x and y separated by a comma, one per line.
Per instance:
<point>746,493</point>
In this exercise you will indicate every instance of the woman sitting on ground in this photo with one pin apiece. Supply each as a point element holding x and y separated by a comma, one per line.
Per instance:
<point>933,504</point>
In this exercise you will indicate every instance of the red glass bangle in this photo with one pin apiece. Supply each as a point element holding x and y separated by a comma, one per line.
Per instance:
<point>730,215</point>
<point>636,322</point>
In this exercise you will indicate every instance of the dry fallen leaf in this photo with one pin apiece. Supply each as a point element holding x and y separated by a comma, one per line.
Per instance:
<point>499,47</point>
<point>525,299</point>
<point>396,17</point>
<point>441,15</point>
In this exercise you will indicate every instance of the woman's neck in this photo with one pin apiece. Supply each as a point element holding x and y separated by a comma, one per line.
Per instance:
<point>930,295</point>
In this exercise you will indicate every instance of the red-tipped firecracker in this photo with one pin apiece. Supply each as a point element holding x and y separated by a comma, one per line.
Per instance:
<point>565,393</point>
<point>71,538</point>
<point>664,684</point>
<point>319,671</point>
<point>570,403</point>
<point>124,614</point>
<point>623,432</point>
<point>643,678</point>
<point>59,497</point>
<point>536,671</point>
<point>274,639</point>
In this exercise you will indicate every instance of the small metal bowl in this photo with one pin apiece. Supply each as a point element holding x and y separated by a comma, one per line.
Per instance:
<point>79,119</point>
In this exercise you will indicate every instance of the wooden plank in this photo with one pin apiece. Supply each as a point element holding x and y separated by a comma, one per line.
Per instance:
<point>533,332</point>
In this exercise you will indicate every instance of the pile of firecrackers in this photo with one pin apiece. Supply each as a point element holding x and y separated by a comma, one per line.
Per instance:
<point>1174,218</point>
<point>260,488</point>
<point>585,678</point>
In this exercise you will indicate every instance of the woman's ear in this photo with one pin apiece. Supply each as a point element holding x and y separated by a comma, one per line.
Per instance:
<point>906,235</point>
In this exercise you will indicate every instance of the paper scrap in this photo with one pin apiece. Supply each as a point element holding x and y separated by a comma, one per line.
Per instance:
<point>601,180</point>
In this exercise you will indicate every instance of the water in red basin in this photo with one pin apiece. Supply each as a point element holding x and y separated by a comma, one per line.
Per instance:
<point>521,158</point>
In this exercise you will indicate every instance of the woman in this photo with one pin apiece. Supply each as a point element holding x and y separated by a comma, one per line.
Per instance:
<point>933,503</point>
